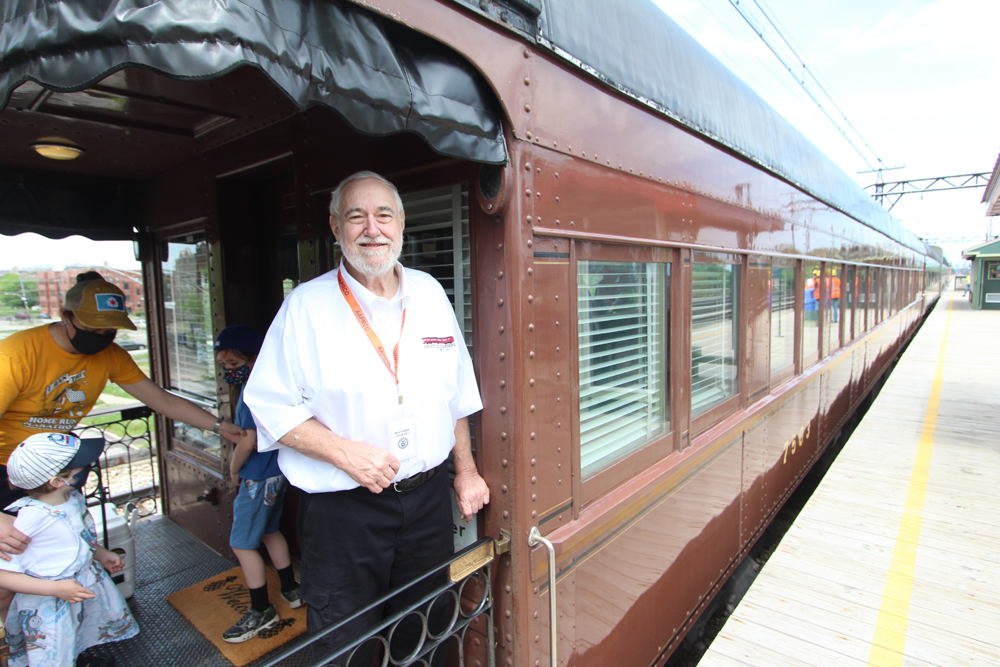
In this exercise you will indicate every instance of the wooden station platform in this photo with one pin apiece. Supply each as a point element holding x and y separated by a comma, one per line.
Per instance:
<point>895,560</point>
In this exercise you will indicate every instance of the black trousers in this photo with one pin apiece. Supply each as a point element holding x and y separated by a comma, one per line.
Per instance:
<point>357,545</point>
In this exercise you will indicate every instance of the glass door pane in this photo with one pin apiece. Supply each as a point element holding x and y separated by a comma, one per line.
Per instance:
<point>187,318</point>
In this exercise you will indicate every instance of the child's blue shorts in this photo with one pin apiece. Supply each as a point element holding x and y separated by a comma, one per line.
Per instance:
<point>257,510</point>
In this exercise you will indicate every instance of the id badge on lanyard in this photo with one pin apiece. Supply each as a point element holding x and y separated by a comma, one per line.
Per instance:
<point>403,437</point>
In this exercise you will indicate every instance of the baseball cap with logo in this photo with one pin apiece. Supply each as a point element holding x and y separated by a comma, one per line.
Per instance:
<point>98,304</point>
<point>44,455</point>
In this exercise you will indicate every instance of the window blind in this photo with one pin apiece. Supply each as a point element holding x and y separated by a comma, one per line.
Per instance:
<point>623,340</point>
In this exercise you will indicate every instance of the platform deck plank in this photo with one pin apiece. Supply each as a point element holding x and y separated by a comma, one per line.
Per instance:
<point>817,601</point>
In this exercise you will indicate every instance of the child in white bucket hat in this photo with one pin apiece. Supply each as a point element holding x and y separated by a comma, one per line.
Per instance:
<point>63,566</point>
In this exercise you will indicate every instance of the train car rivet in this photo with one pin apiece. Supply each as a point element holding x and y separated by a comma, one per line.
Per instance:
<point>506,514</point>
<point>501,330</point>
<point>531,354</point>
<point>535,615</point>
<point>526,54</point>
<point>500,275</point>
<point>531,382</point>
<point>503,355</point>
<point>500,302</point>
<point>531,271</point>
<point>529,219</point>
<point>503,410</point>
<point>531,327</point>
<point>527,166</point>
<point>533,462</point>
<point>536,638</point>
<point>538,195</point>
<point>527,81</point>
<point>527,108</point>
<point>530,243</point>
<point>499,247</point>
<point>571,223</point>
<point>507,588</point>
<point>504,462</point>
<point>506,613</point>
<point>503,383</point>
<point>538,170</point>
<point>532,435</point>
<point>504,489</point>
<point>531,297</point>
<point>503,436</point>
<point>533,497</point>
<point>527,193</point>
<point>528,135</point>
<point>532,408</point>
<point>557,200</point>
<point>534,480</point>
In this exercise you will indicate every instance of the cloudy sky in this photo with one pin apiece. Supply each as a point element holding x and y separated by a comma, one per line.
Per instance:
<point>920,80</point>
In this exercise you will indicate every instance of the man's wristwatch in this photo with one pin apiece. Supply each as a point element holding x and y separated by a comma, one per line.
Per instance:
<point>218,423</point>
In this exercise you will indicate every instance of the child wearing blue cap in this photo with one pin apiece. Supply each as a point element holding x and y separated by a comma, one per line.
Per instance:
<point>65,601</point>
<point>257,508</point>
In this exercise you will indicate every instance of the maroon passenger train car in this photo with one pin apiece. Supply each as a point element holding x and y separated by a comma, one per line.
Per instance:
<point>673,300</point>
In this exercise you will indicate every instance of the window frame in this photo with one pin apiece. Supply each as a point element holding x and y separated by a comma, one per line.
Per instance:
<point>651,452</point>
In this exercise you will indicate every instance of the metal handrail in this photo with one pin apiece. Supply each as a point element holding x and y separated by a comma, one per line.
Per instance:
<point>535,538</point>
<point>429,643</point>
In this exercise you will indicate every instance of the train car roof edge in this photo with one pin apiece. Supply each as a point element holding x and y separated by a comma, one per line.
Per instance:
<point>639,50</point>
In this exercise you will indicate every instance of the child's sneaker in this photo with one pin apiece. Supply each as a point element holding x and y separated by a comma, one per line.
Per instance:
<point>252,622</point>
<point>292,597</point>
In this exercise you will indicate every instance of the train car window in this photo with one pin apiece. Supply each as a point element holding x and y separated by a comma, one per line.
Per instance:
<point>831,311</point>
<point>623,327</point>
<point>810,319</point>
<point>715,326</point>
<point>782,296</point>
<point>849,285</point>
<point>886,290</point>
<point>873,296</point>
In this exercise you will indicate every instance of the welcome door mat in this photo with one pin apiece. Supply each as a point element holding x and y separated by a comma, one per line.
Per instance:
<point>215,604</point>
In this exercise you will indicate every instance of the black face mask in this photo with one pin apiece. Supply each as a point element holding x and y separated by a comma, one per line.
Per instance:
<point>89,342</point>
<point>79,480</point>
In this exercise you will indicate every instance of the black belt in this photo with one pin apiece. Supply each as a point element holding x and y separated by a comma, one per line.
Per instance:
<point>414,481</point>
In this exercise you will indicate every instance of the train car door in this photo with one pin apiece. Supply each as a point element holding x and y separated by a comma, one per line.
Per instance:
<point>187,284</point>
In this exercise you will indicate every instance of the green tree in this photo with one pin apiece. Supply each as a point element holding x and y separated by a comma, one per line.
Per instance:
<point>11,293</point>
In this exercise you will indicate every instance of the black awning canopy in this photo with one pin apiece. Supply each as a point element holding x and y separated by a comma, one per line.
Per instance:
<point>381,77</point>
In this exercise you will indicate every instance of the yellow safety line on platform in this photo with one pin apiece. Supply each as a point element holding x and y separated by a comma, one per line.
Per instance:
<point>893,616</point>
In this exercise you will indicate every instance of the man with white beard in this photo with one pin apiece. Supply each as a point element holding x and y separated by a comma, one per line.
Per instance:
<point>364,385</point>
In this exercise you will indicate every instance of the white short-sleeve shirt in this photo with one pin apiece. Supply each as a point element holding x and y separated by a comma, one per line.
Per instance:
<point>317,361</point>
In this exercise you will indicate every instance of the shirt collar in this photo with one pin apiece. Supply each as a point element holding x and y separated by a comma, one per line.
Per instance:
<point>367,298</point>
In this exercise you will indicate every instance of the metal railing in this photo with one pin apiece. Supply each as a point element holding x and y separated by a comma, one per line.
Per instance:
<point>129,471</point>
<point>472,564</point>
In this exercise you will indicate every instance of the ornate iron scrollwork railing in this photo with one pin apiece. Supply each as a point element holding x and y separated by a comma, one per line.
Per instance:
<point>467,572</point>
<point>129,471</point>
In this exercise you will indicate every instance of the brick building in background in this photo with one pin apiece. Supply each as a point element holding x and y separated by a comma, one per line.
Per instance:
<point>52,285</point>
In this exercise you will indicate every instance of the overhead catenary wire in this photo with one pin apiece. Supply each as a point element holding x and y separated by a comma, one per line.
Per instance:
<point>807,73</point>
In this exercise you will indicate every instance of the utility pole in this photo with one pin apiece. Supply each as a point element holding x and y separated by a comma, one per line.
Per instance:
<point>24,296</point>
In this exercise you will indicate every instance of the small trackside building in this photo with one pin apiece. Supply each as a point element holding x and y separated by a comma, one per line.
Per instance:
<point>985,275</point>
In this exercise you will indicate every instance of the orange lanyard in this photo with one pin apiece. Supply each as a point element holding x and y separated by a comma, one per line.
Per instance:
<point>359,315</point>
